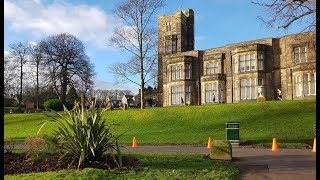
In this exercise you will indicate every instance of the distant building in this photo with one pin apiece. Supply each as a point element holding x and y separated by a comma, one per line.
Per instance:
<point>151,97</point>
<point>129,100</point>
<point>234,72</point>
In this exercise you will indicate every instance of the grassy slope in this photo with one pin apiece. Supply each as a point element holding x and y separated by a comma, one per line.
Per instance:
<point>288,121</point>
<point>151,166</point>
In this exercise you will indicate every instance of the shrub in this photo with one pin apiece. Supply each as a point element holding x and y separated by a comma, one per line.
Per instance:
<point>34,144</point>
<point>13,110</point>
<point>261,99</point>
<point>10,102</point>
<point>221,149</point>
<point>84,135</point>
<point>69,105</point>
<point>72,96</point>
<point>53,104</point>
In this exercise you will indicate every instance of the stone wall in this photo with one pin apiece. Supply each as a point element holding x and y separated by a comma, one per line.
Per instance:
<point>288,68</point>
<point>278,65</point>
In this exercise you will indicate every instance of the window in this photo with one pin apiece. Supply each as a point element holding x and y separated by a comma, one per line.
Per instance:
<point>253,89</point>
<point>211,90</point>
<point>212,68</point>
<point>300,54</point>
<point>247,60</point>
<point>180,72</point>
<point>177,95</point>
<point>242,63</point>
<point>174,45</point>
<point>173,72</point>
<point>170,44</point>
<point>253,61</point>
<point>188,93</point>
<point>309,84</point>
<point>248,89</point>
<point>168,26</point>
<point>188,71</point>
<point>236,65</point>
<point>260,82</point>
<point>260,61</point>
<point>298,85</point>
<point>247,63</point>
<point>177,72</point>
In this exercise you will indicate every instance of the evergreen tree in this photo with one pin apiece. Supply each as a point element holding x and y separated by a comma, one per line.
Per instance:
<point>72,95</point>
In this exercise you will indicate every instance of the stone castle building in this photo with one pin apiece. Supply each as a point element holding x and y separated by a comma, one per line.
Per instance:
<point>234,72</point>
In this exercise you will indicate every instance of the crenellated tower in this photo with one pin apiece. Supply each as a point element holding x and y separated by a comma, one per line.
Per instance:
<point>175,34</point>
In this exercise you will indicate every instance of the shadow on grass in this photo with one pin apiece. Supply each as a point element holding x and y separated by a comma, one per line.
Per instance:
<point>293,143</point>
<point>16,140</point>
<point>176,161</point>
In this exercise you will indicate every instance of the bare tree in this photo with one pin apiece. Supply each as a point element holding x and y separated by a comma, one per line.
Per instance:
<point>85,84</point>
<point>67,62</point>
<point>37,57</point>
<point>284,13</point>
<point>115,94</point>
<point>9,76</point>
<point>138,36</point>
<point>19,52</point>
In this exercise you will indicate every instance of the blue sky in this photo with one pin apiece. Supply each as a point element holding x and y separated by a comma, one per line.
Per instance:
<point>217,23</point>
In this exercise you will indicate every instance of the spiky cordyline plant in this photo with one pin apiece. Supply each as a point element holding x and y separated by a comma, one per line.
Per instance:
<point>84,134</point>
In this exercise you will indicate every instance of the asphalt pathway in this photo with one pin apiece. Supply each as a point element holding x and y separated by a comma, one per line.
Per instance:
<point>254,163</point>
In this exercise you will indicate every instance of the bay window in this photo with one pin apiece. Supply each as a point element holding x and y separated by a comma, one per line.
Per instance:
<point>211,92</point>
<point>248,89</point>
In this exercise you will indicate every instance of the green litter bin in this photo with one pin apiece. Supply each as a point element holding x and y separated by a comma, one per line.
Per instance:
<point>232,133</point>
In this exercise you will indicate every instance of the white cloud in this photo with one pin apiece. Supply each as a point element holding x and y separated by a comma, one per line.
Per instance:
<point>89,23</point>
<point>100,84</point>
<point>37,1</point>
<point>32,43</point>
<point>6,53</point>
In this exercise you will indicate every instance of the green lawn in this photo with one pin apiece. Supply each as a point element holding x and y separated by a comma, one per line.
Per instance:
<point>151,166</point>
<point>288,121</point>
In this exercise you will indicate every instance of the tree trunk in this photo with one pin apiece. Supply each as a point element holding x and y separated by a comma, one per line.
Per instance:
<point>21,76</point>
<point>64,87</point>
<point>37,85</point>
<point>141,69</point>
<point>142,81</point>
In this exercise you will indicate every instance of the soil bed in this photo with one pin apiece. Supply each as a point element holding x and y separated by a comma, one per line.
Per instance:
<point>19,163</point>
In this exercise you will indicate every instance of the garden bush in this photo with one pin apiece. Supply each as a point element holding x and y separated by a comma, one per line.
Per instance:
<point>72,96</point>
<point>69,105</point>
<point>53,104</point>
<point>261,99</point>
<point>10,102</point>
<point>13,110</point>
<point>34,144</point>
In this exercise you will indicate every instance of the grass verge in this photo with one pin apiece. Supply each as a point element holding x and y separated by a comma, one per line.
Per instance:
<point>291,122</point>
<point>151,166</point>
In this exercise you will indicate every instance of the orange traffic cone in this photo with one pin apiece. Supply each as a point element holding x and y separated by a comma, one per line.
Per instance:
<point>209,142</point>
<point>134,142</point>
<point>274,145</point>
<point>314,145</point>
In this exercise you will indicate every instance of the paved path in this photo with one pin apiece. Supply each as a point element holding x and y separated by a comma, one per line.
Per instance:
<point>254,163</point>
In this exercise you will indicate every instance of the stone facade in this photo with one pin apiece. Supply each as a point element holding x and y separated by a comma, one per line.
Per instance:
<point>232,73</point>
